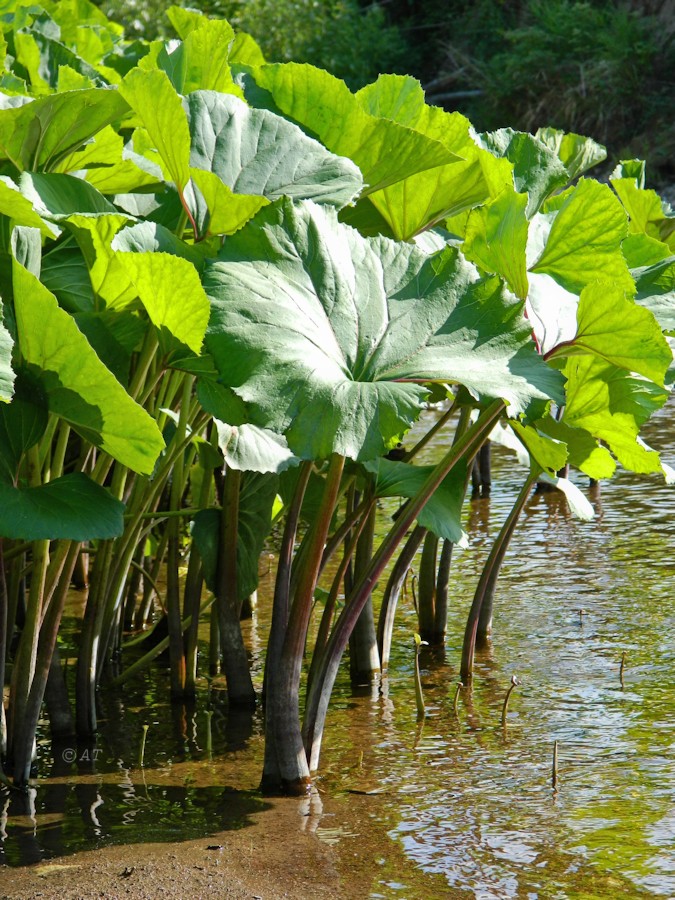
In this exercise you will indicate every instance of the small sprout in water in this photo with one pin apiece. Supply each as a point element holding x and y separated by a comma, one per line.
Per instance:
<point>622,667</point>
<point>419,697</point>
<point>554,769</point>
<point>582,613</point>
<point>514,684</point>
<point>141,752</point>
<point>460,685</point>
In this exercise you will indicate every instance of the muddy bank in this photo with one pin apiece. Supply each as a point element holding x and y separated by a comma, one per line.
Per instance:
<point>285,852</point>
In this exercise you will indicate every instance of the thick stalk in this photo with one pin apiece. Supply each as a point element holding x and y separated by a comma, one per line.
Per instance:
<point>426,601</point>
<point>364,658</point>
<point>240,691</point>
<point>271,779</point>
<point>437,636</point>
<point>293,766</point>
<point>392,592</point>
<point>329,609</point>
<point>486,585</point>
<point>317,700</point>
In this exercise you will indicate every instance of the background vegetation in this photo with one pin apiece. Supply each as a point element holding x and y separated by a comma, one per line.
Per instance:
<point>588,66</point>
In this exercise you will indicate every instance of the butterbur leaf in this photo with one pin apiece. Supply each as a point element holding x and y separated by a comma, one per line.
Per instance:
<point>584,240</point>
<point>56,196</point>
<point>256,152</point>
<point>201,60</point>
<point>227,211</point>
<point>496,239</point>
<point>325,107</point>
<point>340,376</point>
<point>656,292</point>
<point>155,101</point>
<point>252,449</point>
<point>612,404</point>
<point>618,330</point>
<point>537,171</point>
<point>79,388</point>
<point>22,423</point>
<point>442,513</point>
<point>72,507</point>
<point>549,454</point>
<point>584,452</point>
<point>17,207</point>
<point>422,199</point>
<point>575,152</point>
<point>37,136</point>
<point>170,290</point>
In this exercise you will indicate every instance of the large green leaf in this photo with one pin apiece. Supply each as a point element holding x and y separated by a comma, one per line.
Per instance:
<point>612,405</point>
<point>57,196</point>
<point>330,336</point>
<point>37,136</point>
<point>79,388</point>
<point>548,452</point>
<point>496,239</point>
<point>325,107</point>
<point>443,511</point>
<point>256,152</point>
<point>585,453</point>
<point>18,208</point>
<point>647,212</point>
<point>619,331</point>
<point>169,289</point>
<point>583,243</point>
<point>537,171</point>
<point>155,101</point>
<point>575,152</point>
<point>422,199</point>
<point>201,60</point>
<point>72,507</point>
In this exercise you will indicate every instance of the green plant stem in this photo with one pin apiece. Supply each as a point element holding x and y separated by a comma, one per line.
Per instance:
<point>271,778</point>
<point>392,592</point>
<point>240,691</point>
<point>426,601</point>
<point>318,697</point>
<point>481,607</point>
<point>286,694</point>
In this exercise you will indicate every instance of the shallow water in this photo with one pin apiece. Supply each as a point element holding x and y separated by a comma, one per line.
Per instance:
<point>462,799</point>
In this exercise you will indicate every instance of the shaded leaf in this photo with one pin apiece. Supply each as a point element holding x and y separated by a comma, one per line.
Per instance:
<point>443,511</point>
<point>72,507</point>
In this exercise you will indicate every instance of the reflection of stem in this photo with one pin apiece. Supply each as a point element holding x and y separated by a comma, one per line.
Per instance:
<point>554,770</point>
<point>141,752</point>
<point>622,667</point>
<point>418,733</point>
<point>505,707</point>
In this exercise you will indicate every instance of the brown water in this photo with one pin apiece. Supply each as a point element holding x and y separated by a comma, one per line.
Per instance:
<point>464,807</point>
